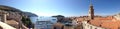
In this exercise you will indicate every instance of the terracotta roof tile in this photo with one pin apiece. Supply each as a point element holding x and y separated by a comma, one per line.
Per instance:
<point>108,22</point>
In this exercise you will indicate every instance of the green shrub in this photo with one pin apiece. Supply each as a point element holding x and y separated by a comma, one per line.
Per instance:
<point>27,22</point>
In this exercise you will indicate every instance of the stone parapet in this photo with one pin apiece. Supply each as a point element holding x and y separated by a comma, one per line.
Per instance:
<point>117,16</point>
<point>89,26</point>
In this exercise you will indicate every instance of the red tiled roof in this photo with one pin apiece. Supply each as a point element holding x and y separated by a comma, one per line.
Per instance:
<point>108,22</point>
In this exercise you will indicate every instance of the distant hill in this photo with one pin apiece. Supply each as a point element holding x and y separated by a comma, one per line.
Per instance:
<point>16,14</point>
<point>29,14</point>
<point>8,8</point>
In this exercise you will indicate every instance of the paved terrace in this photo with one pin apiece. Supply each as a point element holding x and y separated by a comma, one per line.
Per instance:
<point>6,26</point>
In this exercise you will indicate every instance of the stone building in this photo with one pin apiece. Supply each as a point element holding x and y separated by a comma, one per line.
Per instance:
<point>89,26</point>
<point>117,16</point>
<point>91,11</point>
<point>3,16</point>
<point>3,20</point>
<point>86,24</point>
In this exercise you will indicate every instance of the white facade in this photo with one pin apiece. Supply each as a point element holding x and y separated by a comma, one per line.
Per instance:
<point>74,22</point>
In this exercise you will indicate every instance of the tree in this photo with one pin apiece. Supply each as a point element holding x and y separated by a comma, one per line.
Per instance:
<point>27,22</point>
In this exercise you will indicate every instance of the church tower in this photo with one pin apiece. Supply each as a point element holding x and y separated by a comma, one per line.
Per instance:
<point>91,11</point>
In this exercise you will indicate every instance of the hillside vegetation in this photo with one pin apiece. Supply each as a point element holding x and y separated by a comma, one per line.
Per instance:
<point>17,15</point>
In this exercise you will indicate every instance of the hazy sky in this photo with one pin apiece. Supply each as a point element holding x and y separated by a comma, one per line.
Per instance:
<point>64,7</point>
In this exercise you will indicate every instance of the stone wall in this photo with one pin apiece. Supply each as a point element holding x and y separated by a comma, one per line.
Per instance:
<point>117,16</point>
<point>3,15</point>
<point>89,26</point>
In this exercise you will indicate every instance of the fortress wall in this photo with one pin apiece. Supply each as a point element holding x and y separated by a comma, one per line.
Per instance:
<point>89,26</point>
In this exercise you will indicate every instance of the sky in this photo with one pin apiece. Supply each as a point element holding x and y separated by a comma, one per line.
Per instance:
<point>64,7</point>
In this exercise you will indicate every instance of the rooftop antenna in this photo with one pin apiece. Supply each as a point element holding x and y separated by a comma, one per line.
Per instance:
<point>91,3</point>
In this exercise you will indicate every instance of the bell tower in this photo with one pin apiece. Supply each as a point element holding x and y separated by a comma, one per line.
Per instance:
<point>91,11</point>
